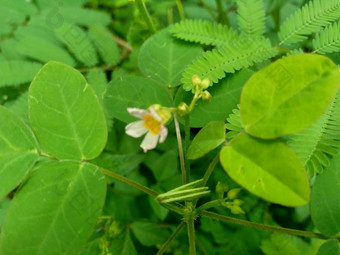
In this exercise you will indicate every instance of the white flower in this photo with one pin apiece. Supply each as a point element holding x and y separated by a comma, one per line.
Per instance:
<point>151,124</point>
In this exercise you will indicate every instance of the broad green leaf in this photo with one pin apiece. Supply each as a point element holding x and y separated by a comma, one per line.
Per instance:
<point>331,247</point>
<point>4,205</point>
<point>163,58</point>
<point>269,169</point>
<point>207,139</point>
<point>225,97</point>
<point>283,244</point>
<point>288,95</point>
<point>149,234</point>
<point>123,245</point>
<point>325,206</point>
<point>18,150</point>
<point>65,113</point>
<point>157,208</point>
<point>134,91</point>
<point>55,211</point>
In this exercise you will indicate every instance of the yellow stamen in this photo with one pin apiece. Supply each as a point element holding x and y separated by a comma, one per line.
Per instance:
<point>152,124</point>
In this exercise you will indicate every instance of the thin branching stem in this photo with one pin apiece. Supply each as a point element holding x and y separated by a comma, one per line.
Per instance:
<point>145,15</point>
<point>180,9</point>
<point>265,227</point>
<point>221,13</point>
<point>129,182</point>
<point>171,238</point>
<point>180,150</point>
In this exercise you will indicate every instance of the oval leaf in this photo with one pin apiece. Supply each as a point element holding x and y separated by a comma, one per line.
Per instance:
<point>325,206</point>
<point>269,169</point>
<point>164,58</point>
<point>55,211</point>
<point>18,150</point>
<point>65,113</point>
<point>288,95</point>
<point>207,139</point>
<point>331,247</point>
<point>133,91</point>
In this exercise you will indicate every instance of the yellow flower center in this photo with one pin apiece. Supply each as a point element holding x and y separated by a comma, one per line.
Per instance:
<point>152,124</point>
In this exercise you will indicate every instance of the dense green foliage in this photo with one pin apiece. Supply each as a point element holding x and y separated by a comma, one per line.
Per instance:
<point>239,104</point>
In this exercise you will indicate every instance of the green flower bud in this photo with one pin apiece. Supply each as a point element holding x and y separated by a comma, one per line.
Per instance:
<point>196,80</point>
<point>232,194</point>
<point>206,96</point>
<point>236,210</point>
<point>163,112</point>
<point>205,83</point>
<point>183,109</point>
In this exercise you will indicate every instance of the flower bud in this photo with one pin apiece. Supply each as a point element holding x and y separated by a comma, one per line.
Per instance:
<point>206,96</point>
<point>205,83</point>
<point>232,194</point>
<point>183,109</point>
<point>236,210</point>
<point>196,80</point>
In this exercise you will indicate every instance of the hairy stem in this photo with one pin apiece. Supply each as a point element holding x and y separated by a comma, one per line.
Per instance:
<point>180,150</point>
<point>265,227</point>
<point>145,15</point>
<point>180,9</point>
<point>171,238</point>
<point>191,235</point>
<point>129,182</point>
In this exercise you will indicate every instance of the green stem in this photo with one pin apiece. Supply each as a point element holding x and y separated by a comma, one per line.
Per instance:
<point>180,150</point>
<point>208,205</point>
<point>210,169</point>
<point>191,235</point>
<point>129,182</point>
<point>221,13</point>
<point>282,50</point>
<point>187,141</point>
<point>265,227</point>
<point>203,4</point>
<point>171,238</point>
<point>180,9</point>
<point>145,15</point>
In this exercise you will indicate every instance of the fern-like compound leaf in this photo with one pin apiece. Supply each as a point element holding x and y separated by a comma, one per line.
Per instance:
<point>42,50</point>
<point>105,44</point>
<point>234,123</point>
<point>309,19</point>
<point>315,145</point>
<point>20,106</point>
<point>204,32</point>
<point>228,59</point>
<point>328,40</point>
<point>17,72</point>
<point>251,17</point>
<point>78,42</point>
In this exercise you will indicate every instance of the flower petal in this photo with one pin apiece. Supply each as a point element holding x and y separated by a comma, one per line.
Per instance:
<point>155,114</point>
<point>138,113</point>
<point>136,129</point>
<point>149,142</point>
<point>163,134</point>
